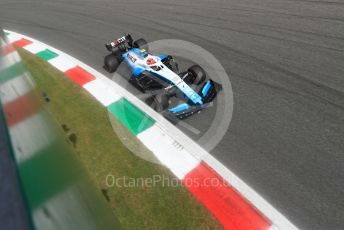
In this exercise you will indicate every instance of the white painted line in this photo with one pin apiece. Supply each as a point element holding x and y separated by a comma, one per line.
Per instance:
<point>168,152</point>
<point>35,47</point>
<point>62,63</point>
<point>102,92</point>
<point>273,227</point>
<point>12,37</point>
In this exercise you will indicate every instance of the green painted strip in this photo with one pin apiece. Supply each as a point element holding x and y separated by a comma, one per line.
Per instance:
<point>7,33</point>
<point>11,72</point>
<point>47,54</point>
<point>133,118</point>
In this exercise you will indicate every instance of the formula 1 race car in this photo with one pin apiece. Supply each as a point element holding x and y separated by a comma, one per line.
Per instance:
<point>160,76</point>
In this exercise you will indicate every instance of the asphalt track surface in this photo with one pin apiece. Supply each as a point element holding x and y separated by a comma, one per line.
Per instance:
<point>285,59</point>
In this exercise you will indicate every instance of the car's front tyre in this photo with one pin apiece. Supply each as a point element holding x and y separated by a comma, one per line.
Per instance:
<point>198,75</point>
<point>158,102</point>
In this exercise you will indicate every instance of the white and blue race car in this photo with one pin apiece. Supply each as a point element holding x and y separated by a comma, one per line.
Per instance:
<point>160,76</point>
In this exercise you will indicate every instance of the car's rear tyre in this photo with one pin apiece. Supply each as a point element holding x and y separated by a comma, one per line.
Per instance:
<point>158,102</point>
<point>141,44</point>
<point>198,74</point>
<point>111,63</point>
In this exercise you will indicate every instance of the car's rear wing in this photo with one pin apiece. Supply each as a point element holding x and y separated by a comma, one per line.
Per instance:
<point>123,43</point>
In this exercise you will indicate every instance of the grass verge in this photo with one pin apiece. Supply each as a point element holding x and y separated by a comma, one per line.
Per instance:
<point>87,127</point>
